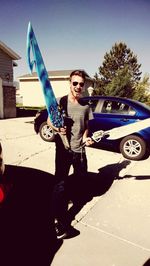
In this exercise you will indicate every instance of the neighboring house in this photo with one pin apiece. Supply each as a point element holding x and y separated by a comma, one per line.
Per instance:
<point>31,90</point>
<point>7,87</point>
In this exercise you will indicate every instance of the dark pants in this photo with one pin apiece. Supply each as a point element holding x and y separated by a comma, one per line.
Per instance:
<point>67,187</point>
<point>63,161</point>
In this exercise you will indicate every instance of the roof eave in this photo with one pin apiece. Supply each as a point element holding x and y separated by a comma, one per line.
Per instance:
<point>9,51</point>
<point>52,75</point>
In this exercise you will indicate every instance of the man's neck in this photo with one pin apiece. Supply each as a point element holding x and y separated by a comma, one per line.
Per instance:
<point>72,98</point>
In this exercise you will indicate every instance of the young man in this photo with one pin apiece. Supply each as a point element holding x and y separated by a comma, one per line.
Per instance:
<point>76,131</point>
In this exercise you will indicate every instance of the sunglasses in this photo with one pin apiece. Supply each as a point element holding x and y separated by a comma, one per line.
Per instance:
<point>75,83</point>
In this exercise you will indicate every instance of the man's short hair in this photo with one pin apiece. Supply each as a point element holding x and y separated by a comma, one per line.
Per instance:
<point>79,73</point>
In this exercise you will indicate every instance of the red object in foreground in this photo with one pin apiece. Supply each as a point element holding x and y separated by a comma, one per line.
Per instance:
<point>4,191</point>
<point>2,194</point>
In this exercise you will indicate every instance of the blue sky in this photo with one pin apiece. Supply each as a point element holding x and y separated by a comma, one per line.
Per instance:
<point>76,34</point>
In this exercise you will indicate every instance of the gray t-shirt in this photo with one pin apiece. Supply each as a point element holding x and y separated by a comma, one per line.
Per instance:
<point>78,113</point>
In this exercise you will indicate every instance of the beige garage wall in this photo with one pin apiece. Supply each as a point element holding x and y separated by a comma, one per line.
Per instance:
<point>33,95</point>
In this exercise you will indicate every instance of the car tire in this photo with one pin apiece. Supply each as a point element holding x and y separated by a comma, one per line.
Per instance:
<point>46,132</point>
<point>133,147</point>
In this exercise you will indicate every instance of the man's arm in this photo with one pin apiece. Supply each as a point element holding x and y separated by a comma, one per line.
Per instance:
<point>87,140</point>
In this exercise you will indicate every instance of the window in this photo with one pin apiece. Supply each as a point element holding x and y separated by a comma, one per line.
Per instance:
<point>115,107</point>
<point>93,105</point>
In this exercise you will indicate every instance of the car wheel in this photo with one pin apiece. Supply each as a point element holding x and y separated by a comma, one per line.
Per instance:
<point>46,132</point>
<point>133,147</point>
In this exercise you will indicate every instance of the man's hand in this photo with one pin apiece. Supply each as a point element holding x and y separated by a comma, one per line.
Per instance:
<point>88,141</point>
<point>62,130</point>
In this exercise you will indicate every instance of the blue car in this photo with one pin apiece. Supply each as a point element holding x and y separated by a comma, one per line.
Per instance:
<point>108,113</point>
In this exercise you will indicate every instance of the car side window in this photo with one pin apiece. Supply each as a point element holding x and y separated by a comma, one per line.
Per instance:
<point>115,107</point>
<point>107,107</point>
<point>126,109</point>
<point>110,107</point>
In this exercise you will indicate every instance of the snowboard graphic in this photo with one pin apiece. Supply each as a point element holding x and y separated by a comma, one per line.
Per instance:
<point>56,115</point>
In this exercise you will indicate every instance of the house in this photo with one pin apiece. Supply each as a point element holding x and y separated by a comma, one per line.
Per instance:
<point>31,89</point>
<point>7,87</point>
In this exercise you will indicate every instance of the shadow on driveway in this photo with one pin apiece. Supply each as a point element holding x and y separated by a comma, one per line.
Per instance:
<point>22,112</point>
<point>138,177</point>
<point>147,263</point>
<point>27,236</point>
<point>83,190</point>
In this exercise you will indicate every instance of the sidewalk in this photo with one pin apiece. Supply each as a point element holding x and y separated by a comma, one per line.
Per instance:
<point>114,224</point>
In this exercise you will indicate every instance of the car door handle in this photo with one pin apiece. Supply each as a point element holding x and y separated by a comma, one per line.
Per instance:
<point>124,119</point>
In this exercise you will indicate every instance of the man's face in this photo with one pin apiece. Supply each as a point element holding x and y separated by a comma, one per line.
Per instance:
<point>77,86</point>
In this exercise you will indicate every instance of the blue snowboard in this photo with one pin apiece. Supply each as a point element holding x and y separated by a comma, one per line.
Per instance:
<point>56,115</point>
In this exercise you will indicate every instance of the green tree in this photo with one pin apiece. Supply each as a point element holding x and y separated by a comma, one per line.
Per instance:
<point>99,86</point>
<point>142,90</point>
<point>121,85</point>
<point>118,62</point>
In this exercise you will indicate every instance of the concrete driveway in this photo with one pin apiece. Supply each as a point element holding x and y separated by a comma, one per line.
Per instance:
<point>114,222</point>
